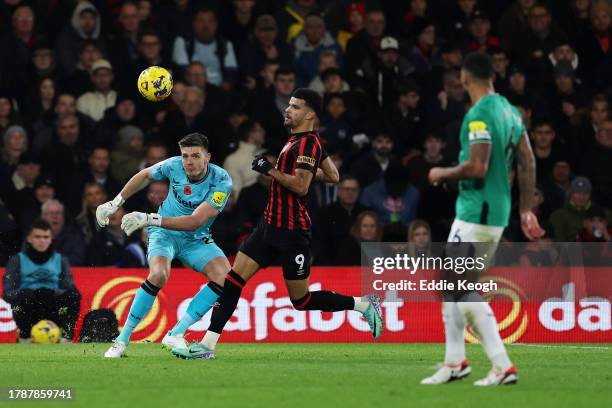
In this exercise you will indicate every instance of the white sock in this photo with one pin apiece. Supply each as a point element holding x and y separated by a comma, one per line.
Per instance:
<point>210,340</point>
<point>454,328</point>
<point>361,305</point>
<point>481,319</point>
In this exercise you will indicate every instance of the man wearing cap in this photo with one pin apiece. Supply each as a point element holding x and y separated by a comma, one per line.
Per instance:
<point>94,103</point>
<point>567,221</point>
<point>380,78</point>
<point>22,181</point>
<point>263,46</point>
<point>44,189</point>
<point>569,102</point>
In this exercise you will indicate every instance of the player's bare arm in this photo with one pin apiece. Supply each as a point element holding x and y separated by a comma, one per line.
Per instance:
<point>200,215</point>
<point>328,173</point>
<point>526,176</point>
<point>299,183</point>
<point>475,167</point>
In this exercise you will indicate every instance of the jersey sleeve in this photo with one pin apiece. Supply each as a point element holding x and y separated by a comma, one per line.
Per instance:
<point>479,127</point>
<point>219,194</point>
<point>309,155</point>
<point>162,170</point>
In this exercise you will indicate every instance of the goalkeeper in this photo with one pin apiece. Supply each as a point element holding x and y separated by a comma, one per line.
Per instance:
<point>199,191</point>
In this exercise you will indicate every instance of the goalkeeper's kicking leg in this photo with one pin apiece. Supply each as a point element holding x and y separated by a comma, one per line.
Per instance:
<point>159,272</point>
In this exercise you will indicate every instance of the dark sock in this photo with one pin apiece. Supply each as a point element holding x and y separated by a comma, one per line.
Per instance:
<point>227,302</point>
<point>325,301</point>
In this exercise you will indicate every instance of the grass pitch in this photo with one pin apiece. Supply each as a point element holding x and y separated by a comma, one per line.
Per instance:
<point>304,375</point>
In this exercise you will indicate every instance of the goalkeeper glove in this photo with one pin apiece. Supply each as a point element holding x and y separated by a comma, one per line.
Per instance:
<point>261,165</point>
<point>136,220</point>
<point>107,209</point>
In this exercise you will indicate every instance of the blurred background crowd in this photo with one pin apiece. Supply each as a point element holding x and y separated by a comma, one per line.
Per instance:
<point>74,127</point>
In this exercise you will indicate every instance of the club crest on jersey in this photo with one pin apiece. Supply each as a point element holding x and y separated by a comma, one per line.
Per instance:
<point>187,190</point>
<point>305,159</point>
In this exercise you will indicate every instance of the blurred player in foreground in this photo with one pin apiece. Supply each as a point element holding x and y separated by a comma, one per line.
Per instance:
<point>283,233</point>
<point>199,192</point>
<point>492,134</point>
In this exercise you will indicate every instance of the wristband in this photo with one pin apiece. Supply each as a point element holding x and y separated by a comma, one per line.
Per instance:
<point>118,201</point>
<point>154,220</point>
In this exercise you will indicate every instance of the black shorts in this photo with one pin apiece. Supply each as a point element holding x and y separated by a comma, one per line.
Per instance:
<point>268,245</point>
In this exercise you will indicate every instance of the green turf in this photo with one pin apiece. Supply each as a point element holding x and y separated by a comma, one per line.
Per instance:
<point>304,375</point>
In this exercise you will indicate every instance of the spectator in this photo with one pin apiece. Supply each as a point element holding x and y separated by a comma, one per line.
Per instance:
<point>128,156</point>
<point>42,65</point>
<point>41,99</point>
<point>451,59</point>
<point>217,101</point>
<point>556,188</point>
<point>545,151</point>
<point>239,21</point>
<point>406,118</point>
<point>155,153</point>
<point>208,47</point>
<point>8,115</point>
<point>44,190</point>
<point>93,196</point>
<point>392,197</point>
<point>67,237</point>
<point>597,160</point>
<point>65,155</point>
<point>566,222</point>
<point>135,254</point>
<point>539,40</point>
<point>335,220</point>
<point>150,52</point>
<point>307,48</point>
<point>479,28</point>
<point>38,284</point>
<point>15,143</point>
<point>365,43</point>
<point>456,19</point>
<point>367,228</point>
<point>569,102</point>
<point>79,82</point>
<point>425,53</point>
<point>418,166</point>
<point>124,42</point>
<point>595,226</point>
<point>451,102</point>
<point>108,244</point>
<point>419,236</point>
<point>175,20</point>
<point>583,134</point>
<point>327,60</point>
<point>501,68</point>
<point>334,126</point>
<point>94,103</point>
<point>22,182</point>
<point>237,164</point>
<point>84,25</point>
<point>574,18</point>
<point>291,18</point>
<point>264,45</point>
<point>595,43</point>
<point>371,165</point>
<point>126,112</point>
<point>156,194</point>
<point>355,16</point>
<point>380,78</point>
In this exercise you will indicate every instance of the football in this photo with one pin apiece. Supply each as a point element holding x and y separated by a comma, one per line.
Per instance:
<point>155,83</point>
<point>45,332</point>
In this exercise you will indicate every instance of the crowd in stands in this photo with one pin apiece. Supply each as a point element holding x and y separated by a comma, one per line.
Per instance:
<point>74,128</point>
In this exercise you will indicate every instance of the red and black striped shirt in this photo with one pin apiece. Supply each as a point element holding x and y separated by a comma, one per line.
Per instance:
<point>285,209</point>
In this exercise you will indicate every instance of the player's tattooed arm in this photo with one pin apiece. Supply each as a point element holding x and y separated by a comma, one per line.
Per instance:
<point>299,183</point>
<point>475,167</point>
<point>328,173</point>
<point>525,173</point>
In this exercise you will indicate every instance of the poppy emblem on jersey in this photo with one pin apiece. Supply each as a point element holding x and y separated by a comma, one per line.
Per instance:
<point>187,190</point>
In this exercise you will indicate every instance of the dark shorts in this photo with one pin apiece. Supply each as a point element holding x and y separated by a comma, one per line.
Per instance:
<point>268,245</point>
